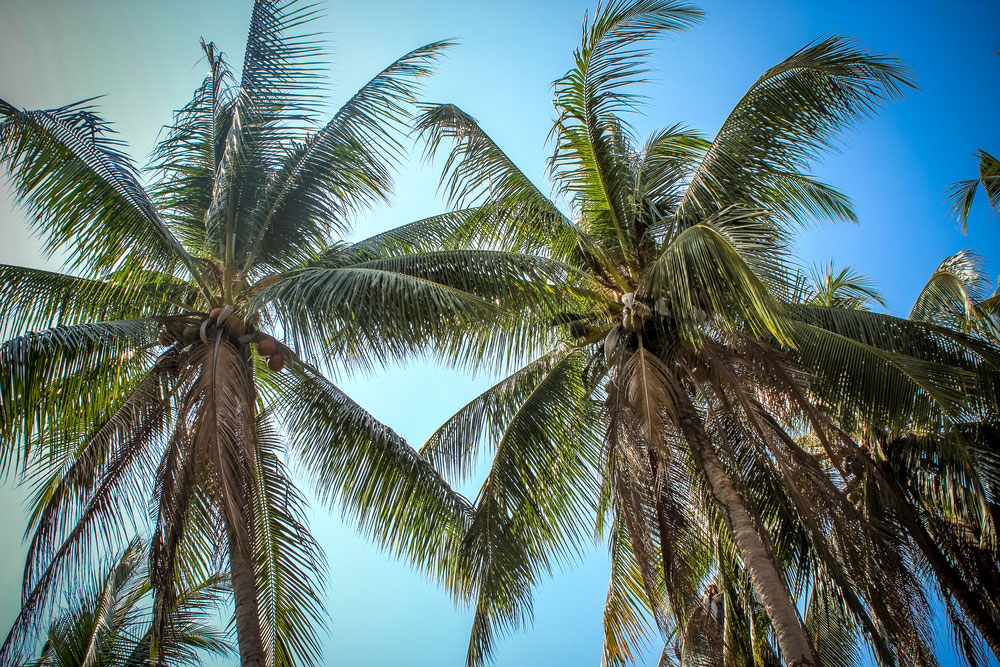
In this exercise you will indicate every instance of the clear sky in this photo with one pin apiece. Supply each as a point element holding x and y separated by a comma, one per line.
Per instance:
<point>142,56</point>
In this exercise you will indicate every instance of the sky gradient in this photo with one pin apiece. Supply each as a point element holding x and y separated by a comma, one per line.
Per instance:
<point>143,57</point>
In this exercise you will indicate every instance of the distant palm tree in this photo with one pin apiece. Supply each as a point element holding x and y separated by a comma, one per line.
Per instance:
<point>675,407</point>
<point>109,623</point>
<point>846,288</point>
<point>192,325</point>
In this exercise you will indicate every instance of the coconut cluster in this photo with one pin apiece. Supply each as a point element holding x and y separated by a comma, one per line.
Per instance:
<point>267,347</point>
<point>187,331</point>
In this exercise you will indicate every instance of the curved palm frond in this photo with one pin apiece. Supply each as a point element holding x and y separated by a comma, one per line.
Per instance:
<point>395,496</point>
<point>342,167</point>
<point>48,375</point>
<point>952,293</point>
<point>477,172</point>
<point>540,426</point>
<point>790,115</point>
<point>963,193</point>
<point>702,270</point>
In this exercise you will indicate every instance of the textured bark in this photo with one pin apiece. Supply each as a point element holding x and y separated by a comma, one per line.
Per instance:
<point>796,649</point>
<point>245,596</point>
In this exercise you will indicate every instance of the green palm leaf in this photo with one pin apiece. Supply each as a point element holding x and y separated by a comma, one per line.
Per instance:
<point>82,193</point>
<point>790,115</point>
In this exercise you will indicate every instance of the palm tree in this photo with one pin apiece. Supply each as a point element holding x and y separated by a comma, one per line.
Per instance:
<point>846,288</point>
<point>155,376</point>
<point>109,624</point>
<point>936,486</point>
<point>676,401</point>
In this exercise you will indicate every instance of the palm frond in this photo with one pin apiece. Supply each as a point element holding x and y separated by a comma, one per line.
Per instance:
<point>963,193</point>
<point>791,115</point>
<point>395,497</point>
<point>541,428</point>
<point>339,169</point>
<point>612,55</point>
<point>701,271</point>
<point>627,620</point>
<point>953,292</point>
<point>592,141</point>
<point>46,375</point>
<point>83,194</point>
<point>476,172</point>
<point>73,503</point>
<point>289,571</point>
<point>185,162</point>
<point>33,299</point>
<point>891,372</point>
<point>846,289</point>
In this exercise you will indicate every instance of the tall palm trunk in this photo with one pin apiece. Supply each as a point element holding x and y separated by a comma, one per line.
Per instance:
<point>950,579</point>
<point>796,649</point>
<point>245,596</point>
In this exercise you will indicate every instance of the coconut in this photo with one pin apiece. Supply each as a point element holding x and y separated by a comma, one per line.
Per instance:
<point>577,329</point>
<point>276,362</point>
<point>214,313</point>
<point>266,347</point>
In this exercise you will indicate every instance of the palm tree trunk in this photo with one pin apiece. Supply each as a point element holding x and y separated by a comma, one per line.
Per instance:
<point>950,578</point>
<point>245,596</point>
<point>793,641</point>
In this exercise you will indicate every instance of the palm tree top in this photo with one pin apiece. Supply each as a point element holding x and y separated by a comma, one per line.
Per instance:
<point>177,363</point>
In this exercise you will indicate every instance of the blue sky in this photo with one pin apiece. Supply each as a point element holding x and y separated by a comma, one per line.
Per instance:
<point>142,56</point>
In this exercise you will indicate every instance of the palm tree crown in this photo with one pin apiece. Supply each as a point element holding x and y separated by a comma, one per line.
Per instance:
<point>675,410</point>
<point>174,366</point>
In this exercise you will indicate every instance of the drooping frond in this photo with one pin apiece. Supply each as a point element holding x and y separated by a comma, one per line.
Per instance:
<point>395,496</point>
<point>892,372</point>
<point>627,621</point>
<point>540,426</point>
<point>105,621</point>
<point>75,502</point>
<point>48,375</point>
<point>963,193</point>
<point>290,575</point>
